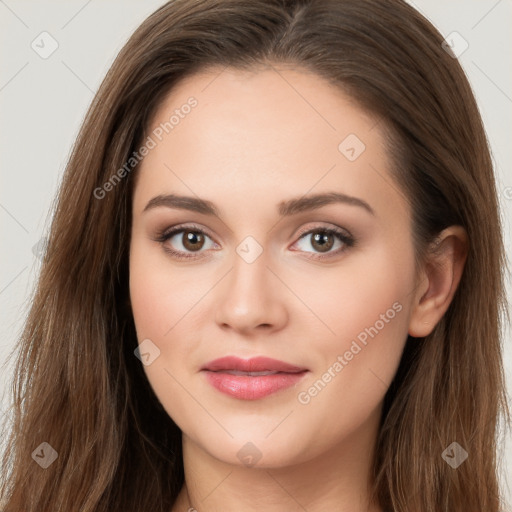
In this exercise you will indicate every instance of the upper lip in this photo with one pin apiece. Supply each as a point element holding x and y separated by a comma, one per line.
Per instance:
<point>255,364</point>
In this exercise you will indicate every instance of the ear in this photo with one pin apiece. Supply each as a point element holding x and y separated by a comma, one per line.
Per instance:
<point>439,279</point>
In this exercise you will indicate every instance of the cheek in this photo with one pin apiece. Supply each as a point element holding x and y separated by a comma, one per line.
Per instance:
<point>149,300</point>
<point>161,297</point>
<point>353,297</point>
<point>169,309</point>
<point>368,311</point>
<point>163,310</point>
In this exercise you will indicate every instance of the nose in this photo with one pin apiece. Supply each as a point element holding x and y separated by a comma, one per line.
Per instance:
<point>251,299</point>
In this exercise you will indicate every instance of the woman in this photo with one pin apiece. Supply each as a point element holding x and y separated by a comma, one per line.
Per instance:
<point>334,342</point>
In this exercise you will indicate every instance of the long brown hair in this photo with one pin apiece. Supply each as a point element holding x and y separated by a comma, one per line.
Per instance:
<point>78,385</point>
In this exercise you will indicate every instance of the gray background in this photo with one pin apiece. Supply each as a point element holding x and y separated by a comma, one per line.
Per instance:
<point>43,101</point>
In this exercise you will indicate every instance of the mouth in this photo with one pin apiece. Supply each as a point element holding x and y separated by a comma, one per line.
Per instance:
<point>253,365</point>
<point>251,379</point>
<point>249,374</point>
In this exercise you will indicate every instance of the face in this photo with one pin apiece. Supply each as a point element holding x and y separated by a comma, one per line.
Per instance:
<point>323,287</point>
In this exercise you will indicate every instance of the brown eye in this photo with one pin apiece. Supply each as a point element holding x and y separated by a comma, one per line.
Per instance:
<point>322,241</point>
<point>183,242</point>
<point>192,240</point>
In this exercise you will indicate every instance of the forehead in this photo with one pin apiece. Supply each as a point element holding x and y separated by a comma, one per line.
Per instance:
<point>260,135</point>
<point>269,102</point>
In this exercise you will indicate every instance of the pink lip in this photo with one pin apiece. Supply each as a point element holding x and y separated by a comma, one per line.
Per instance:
<point>251,387</point>
<point>255,364</point>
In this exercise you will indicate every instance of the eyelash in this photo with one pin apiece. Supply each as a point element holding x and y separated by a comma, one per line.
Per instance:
<point>342,236</point>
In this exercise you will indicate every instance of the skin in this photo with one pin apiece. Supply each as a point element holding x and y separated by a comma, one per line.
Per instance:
<point>255,139</point>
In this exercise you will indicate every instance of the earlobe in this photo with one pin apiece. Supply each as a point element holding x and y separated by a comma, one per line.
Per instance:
<point>440,278</point>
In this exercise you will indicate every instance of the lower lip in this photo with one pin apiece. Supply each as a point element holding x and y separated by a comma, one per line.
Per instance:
<point>245,387</point>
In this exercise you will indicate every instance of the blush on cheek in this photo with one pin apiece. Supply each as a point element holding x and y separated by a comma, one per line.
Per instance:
<point>373,331</point>
<point>148,308</point>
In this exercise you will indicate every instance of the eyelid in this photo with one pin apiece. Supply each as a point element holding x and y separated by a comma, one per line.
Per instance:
<point>183,227</point>
<point>341,233</point>
<point>332,227</point>
<point>302,231</point>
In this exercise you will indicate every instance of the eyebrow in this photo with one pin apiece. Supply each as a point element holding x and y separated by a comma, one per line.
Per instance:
<point>285,208</point>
